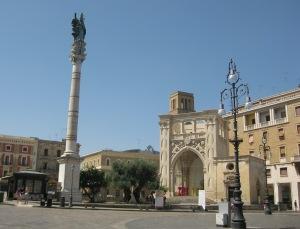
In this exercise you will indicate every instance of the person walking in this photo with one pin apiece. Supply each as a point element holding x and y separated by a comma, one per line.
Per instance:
<point>295,206</point>
<point>26,196</point>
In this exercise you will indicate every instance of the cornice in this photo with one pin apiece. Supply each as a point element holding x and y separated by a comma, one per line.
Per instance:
<point>269,101</point>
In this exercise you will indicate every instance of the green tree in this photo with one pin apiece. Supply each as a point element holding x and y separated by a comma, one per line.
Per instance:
<point>91,181</point>
<point>133,176</point>
<point>120,179</point>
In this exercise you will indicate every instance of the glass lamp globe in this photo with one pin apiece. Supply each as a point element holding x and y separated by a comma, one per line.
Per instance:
<point>248,103</point>
<point>232,76</point>
<point>221,111</point>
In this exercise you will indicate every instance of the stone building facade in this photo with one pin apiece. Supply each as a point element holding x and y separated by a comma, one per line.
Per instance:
<point>17,154</point>
<point>104,159</point>
<point>48,152</point>
<point>276,117</point>
<point>30,153</point>
<point>194,154</point>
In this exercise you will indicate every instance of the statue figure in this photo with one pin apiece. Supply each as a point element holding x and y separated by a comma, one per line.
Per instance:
<point>78,28</point>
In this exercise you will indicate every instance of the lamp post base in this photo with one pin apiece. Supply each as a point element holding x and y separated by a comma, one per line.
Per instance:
<point>238,224</point>
<point>238,221</point>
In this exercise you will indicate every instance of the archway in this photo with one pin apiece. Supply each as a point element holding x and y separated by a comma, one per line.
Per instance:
<point>188,173</point>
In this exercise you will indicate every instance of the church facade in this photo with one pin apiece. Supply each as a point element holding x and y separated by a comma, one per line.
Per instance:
<point>194,155</point>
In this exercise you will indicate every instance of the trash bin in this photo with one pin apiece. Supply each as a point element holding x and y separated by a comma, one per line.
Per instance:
<point>1,197</point>
<point>42,203</point>
<point>49,202</point>
<point>62,201</point>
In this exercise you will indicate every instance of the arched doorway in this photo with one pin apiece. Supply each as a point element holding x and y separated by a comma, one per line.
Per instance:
<point>188,175</point>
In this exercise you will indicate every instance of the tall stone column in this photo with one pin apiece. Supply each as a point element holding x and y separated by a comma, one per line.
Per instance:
<point>69,162</point>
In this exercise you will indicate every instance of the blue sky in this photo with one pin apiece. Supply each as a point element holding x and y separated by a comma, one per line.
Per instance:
<point>138,52</point>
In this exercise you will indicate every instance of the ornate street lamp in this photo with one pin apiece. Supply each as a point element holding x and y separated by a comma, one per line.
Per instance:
<point>234,91</point>
<point>264,148</point>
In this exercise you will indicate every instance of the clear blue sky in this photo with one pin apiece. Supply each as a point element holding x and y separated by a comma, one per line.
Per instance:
<point>139,51</point>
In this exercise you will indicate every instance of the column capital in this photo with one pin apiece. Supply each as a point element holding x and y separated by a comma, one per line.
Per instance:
<point>78,52</point>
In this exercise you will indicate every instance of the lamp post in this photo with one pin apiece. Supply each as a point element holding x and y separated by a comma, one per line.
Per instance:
<point>71,193</point>
<point>264,148</point>
<point>234,91</point>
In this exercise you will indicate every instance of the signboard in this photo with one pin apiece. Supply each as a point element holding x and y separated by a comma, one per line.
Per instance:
<point>159,199</point>
<point>201,199</point>
<point>159,202</point>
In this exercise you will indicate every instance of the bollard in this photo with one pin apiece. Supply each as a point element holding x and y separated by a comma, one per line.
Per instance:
<point>49,202</point>
<point>42,203</point>
<point>62,201</point>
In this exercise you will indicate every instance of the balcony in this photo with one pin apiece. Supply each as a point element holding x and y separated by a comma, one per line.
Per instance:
<point>295,158</point>
<point>266,124</point>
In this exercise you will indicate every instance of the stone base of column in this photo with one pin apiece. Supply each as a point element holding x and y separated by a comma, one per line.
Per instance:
<point>69,175</point>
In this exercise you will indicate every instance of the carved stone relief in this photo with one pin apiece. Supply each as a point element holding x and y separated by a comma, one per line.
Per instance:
<point>197,144</point>
<point>229,177</point>
<point>176,128</point>
<point>210,138</point>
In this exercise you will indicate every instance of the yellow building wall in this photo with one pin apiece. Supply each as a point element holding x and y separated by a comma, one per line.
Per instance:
<point>290,141</point>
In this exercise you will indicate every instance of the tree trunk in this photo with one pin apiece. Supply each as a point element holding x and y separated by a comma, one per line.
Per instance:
<point>132,197</point>
<point>126,194</point>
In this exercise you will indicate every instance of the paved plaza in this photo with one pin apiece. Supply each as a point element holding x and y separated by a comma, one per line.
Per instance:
<point>39,218</point>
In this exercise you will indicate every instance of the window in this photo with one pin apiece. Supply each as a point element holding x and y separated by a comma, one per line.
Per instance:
<point>268,172</point>
<point>265,135</point>
<point>6,161</point>
<point>24,149</point>
<point>298,129</point>
<point>251,139</point>
<point>29,185</point>
<point>297,111</point>
<point>23,163</point>
<point>5,173</point>
<point>281,134</point>
<point>298,149</point>
<point>8,148</point>
<point>282,151</point>
<point>253,121</point>
<point>267,118</point>
<point>46,152</point>
<point>230,166</point>
<point>251,153</point>
<point>107,161</point>
<point>173,104</point>
<point>37,186</point>
<point>45,165</point>
<point>58,153</point>
<point>282,114</point>
<point>283,172</point>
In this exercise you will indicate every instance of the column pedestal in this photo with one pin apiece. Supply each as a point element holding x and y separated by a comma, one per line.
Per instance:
<point>69,175</point>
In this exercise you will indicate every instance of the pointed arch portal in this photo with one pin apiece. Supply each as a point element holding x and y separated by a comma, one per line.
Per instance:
<point>188,173</point>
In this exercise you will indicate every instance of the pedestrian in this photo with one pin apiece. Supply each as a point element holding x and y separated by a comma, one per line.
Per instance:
<point>18,195</point>
<point>295,205</point>
<point>26,196</point>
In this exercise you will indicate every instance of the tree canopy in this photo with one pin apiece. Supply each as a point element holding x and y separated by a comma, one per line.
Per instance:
<point>91,181</point>
<point>134,176</point>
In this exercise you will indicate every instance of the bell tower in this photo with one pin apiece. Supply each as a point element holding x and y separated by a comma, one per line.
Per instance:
<point>181,102</point>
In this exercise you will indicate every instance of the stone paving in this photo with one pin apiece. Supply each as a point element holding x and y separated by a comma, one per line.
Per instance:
<point>23,216</point>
